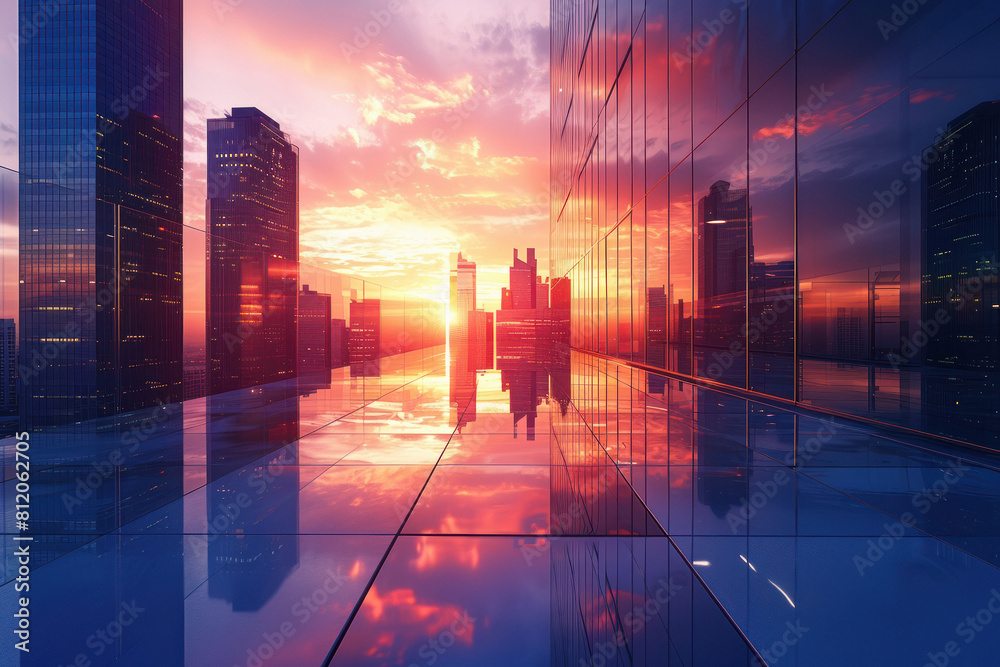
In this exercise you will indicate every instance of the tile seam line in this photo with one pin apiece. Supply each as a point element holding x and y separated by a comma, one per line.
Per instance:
<point>117,530</point>
<point>385,556</point>
<point>694,571</point>
<point>808,410</point>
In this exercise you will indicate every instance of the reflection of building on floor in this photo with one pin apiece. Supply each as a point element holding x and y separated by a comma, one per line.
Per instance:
<point>253,544</point>
<point>468,330</point>
<point>532,341</point>
<point>259,546</point>
<point>462,383</point>
<point>527,389</point>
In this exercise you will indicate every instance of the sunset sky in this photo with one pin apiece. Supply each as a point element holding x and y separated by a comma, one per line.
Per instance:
<point>428,138</point>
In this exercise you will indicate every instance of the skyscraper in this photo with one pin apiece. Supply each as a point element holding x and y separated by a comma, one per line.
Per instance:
<point>8,364</point>
<point>523,281</point>
<point>101,129</point>
<point>480,340</point>
<point>366,330</point>
<point>461,330</point>
<point>725,251</point>
<point>961,243</point>
<point>314,330</point>
<point>253,221</point>
<point>339,355</point>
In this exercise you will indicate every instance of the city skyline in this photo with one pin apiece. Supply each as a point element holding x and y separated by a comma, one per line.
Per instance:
<point>619,332</point>
<point>361,117</point>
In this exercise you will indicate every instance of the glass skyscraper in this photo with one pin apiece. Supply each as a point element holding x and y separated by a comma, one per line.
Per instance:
<point>961,243</point>
<point>253,250</point>
<point>741,198</point>
<point>101,129</point>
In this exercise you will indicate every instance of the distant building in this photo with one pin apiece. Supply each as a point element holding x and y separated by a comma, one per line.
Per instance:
<point>724,252</point>
<point>961,243</point>
<point>314,330</point>
<point>851,340</point>
<point>524,321</point>
<point>366,330</point>
<point>462,349</point>
<point>480,340</point>
<point>253,251</point>
<point>339,355</point>
<point>506,300</point>
<point>8,365</point>
<point>541,292</point>
<point>195,382</point>
<point>462,295</point>
<point>524,281</point>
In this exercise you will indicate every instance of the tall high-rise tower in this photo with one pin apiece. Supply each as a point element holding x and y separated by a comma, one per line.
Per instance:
<point>8,364</point>
<point>253,250</point>
<point>961,243</point>
<point>101,130</point>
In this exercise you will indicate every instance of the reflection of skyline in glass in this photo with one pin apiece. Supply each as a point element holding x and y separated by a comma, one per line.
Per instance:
<point>821,295</point>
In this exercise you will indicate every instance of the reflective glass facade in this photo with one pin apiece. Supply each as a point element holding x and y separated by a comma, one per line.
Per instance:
<point>101,126</point>
<point>797,199</point>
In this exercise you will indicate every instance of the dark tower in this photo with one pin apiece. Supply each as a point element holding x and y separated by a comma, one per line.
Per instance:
<point>961,242</point>
<point>101,130</point>
<point>253,250</point>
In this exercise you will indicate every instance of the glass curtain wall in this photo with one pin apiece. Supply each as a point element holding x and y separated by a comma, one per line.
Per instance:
<point>797,199</point>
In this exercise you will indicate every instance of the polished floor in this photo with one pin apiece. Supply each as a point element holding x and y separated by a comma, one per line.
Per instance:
<point>579,514</point>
